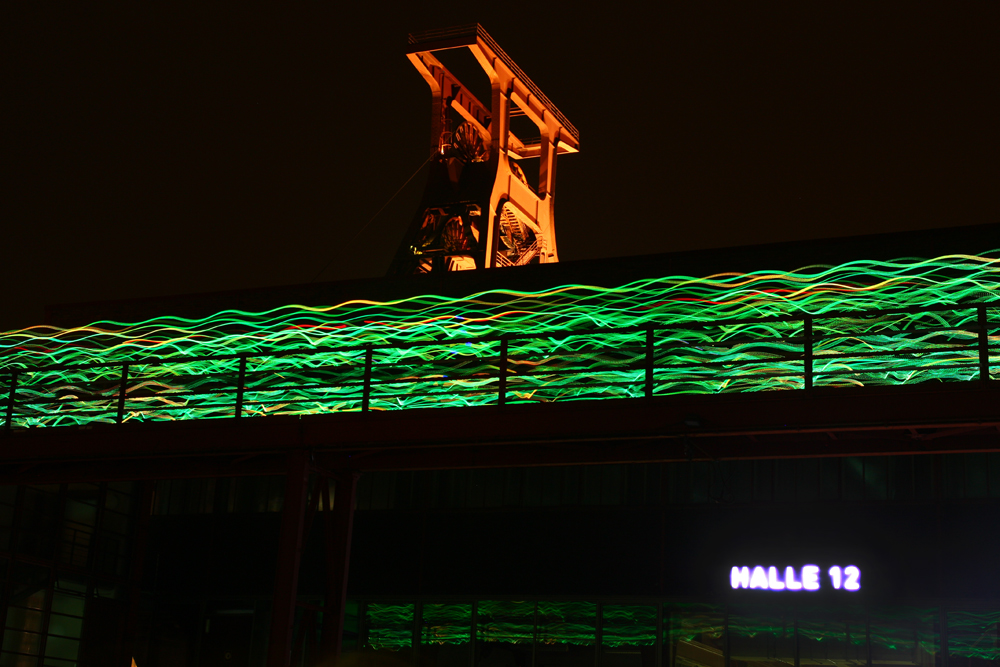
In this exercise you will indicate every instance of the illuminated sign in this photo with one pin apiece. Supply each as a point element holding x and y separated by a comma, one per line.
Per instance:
<point>806,578</point>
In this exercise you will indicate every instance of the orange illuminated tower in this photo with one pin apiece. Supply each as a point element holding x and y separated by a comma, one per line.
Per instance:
<point>487,203</point>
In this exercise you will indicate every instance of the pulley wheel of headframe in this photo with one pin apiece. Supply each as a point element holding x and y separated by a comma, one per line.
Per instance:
<point>470,144</point>
<point>519,240</point>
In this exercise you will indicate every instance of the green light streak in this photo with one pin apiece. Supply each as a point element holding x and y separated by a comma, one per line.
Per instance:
<point>710,337</point>
<point>567,623</point>
<point>694,622</point>
<point>628,625</point>
<point>508,622</point>
<point>390,626</point>
<point>446,623</point>
<point>973,634</point>
<point>826,633</point>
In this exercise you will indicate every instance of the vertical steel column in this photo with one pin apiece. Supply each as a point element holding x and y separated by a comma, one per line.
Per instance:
<point>139,534</point>
<point>50,586</point>
<point>366,392</point>
<point>649,362</point>
<point>868,638</point>
<point>797,659</point>
<point>286,577</point>
<point>943,616</point>
<point>727,654</point>
<point>502,373</point>
<point>240,384</point>
<point>121,395</point>
<point>362,625</point>
<point>11,396</point>
<point>658,659</point>
<point>534,635</point>
<point>472,634</point>
<point>984,344</point>
<point>337,544</point>
<point>418,615</point>
<point>807,352</point>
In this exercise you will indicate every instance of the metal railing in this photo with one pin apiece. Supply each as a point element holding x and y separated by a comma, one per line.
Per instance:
<point>802,352</point>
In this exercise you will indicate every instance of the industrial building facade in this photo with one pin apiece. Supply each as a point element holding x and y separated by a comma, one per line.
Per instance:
<point>746,469</point>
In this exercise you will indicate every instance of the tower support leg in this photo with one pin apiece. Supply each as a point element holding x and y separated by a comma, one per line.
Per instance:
<point>286,577</point>
<point>337,545</point>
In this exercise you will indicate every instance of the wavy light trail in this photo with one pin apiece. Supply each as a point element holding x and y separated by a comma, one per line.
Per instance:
<point>720,333</point>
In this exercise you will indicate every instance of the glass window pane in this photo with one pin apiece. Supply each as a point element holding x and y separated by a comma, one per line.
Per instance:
<point>831,636</point>
<point>117,501</point>
<point>567,623</point>
<point>20,618</point>
<point>389,626</point>
<point>66,626</point>
<point>352,626</point>
<point>61,647</point>
<point>761,634</point>
<point>39,522</point>
<point>30,582</point>
<point>903,635</point>
<point>693,634</point>
<point>446,624</point>
<point>506,631</point>
<point>973,638</point>
<point>21,642</point>
<point>67,603</point>
<point>628,635</point>
<point>566,633</point>
<point>445,635</point>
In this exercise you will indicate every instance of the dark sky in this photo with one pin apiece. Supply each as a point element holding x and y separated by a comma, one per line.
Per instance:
<point>151,150</point>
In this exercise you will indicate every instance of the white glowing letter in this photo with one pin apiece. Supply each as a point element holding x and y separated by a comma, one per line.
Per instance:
<point>790,582</point>
<point>853,578</point>
<point>740,577</point>
<point>759,578</point>
<point>810,577</point>
<point>772,579</point>
<point>835,576</point>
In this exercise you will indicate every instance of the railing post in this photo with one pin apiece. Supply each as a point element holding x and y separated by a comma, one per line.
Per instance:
<point>240,384</point>
<point>366,395</point>
<point>11,397</point>
<point>807,352</point>
<point>649,362</point>
<point>502,370</point>
<point>984,344</point>
<point>121,395</point>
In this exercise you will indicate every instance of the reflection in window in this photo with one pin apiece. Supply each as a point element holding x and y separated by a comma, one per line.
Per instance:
<point>694,634</point>
<point>566,633</point>
<point>445,634</point>
<point>446,623</point>
<point>759,635</point>
<point>27,604</point>
<point>628,635</point>
<point>973,638</point>
<point>903,636</point>
<point>506,630</point>
<point>389,626</point>
<point>832,636</point>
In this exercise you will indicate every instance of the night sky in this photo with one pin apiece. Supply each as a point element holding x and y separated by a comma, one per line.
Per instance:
<point>154,150</point>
